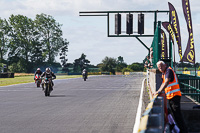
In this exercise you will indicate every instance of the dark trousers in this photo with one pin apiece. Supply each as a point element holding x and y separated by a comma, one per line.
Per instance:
<point>174,104</point>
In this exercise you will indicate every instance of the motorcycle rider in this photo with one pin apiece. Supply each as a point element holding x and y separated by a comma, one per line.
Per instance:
<point>85,73</point>
<point>48,74</point>
<point>38,71</point>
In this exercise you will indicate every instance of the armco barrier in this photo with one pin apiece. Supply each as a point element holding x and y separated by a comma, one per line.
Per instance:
<point>134,73</point>
<point>152,120</point>
<point>6,75</point>
<point>92,73</point>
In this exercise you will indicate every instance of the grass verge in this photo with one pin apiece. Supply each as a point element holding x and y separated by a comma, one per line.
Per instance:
<point>29,79</point>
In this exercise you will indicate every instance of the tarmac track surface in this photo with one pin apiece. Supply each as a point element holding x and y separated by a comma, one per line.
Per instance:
<point>102,104</point>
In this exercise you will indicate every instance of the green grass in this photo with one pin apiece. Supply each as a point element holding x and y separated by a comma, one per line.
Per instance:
<point>29,79</point>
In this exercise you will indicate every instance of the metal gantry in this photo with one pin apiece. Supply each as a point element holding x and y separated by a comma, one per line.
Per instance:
<point>137,36</point>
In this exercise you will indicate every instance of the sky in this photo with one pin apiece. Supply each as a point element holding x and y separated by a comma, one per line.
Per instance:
<point>88,35</point>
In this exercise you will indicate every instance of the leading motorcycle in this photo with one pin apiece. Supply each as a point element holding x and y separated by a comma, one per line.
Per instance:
<point>84,74</point>
<point>47,87</point>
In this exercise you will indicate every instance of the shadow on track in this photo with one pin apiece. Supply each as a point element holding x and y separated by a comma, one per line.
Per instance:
<point>62,96</point>
<point>57,96</point>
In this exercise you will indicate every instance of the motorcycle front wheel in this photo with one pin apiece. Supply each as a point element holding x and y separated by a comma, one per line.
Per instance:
<point>38,83</point>
<point>46,91</point>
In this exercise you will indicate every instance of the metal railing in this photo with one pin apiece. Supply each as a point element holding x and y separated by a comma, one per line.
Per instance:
<point>153,118</point>
<point>190,85</point>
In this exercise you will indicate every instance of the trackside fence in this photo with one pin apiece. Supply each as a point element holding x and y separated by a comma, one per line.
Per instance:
<point>190,85</point>
<point>152,120</point>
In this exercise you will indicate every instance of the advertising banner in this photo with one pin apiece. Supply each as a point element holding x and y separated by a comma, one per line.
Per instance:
<point>169,28</point>
<point>164,52</point>
<point>189,55</point>
<point>176,27</point>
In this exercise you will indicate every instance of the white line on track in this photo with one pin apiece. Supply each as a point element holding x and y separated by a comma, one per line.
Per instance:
<point>139,110</point>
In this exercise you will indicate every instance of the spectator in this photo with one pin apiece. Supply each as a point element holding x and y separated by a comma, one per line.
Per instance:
<point>151,55</point>
<point>173,93</point>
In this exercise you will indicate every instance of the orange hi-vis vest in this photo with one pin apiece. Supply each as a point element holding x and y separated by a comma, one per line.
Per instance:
<point>173,89</point>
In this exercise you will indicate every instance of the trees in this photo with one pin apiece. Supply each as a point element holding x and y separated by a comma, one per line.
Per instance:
<point>4,30</point>
<point>120,64</point>
<point>136,66</point>
<point>50,36</point>
<point>30,42</point>
<point>22,38</point>
<point>63,55</point>
<point>81,63</point>
<point>108,64</point>
<point>120,60</point>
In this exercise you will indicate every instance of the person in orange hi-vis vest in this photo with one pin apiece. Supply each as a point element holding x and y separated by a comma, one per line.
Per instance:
<point>173,94</point>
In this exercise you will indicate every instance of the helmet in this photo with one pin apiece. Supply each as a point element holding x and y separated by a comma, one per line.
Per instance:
<point>48,70</point>
<point>38,69</point>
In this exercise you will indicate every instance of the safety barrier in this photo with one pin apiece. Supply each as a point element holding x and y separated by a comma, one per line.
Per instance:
<point>6,75</point>
<point>92,73</point>
<point>190,85</point>
<point>189,72</point>
<point>134,73</point>
<point>152,119</point>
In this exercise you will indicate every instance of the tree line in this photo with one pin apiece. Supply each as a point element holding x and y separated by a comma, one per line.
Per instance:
<point>108,64</point>
<point>27,43</point>
<point>118,65</point>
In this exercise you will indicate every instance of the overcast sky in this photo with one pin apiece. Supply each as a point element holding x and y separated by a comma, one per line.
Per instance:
<point>88,35</point>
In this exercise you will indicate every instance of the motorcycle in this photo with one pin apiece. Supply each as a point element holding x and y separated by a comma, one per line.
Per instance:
<point>84,76</point>
<point>38,80</point>
<point>47,87</point>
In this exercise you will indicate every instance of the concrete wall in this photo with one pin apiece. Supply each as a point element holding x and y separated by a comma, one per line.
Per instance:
<point>154,80</point>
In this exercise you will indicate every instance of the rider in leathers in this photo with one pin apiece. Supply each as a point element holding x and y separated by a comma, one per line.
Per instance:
<point>48,74</point>
<point>38,72</point>
<point>85,73</point>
